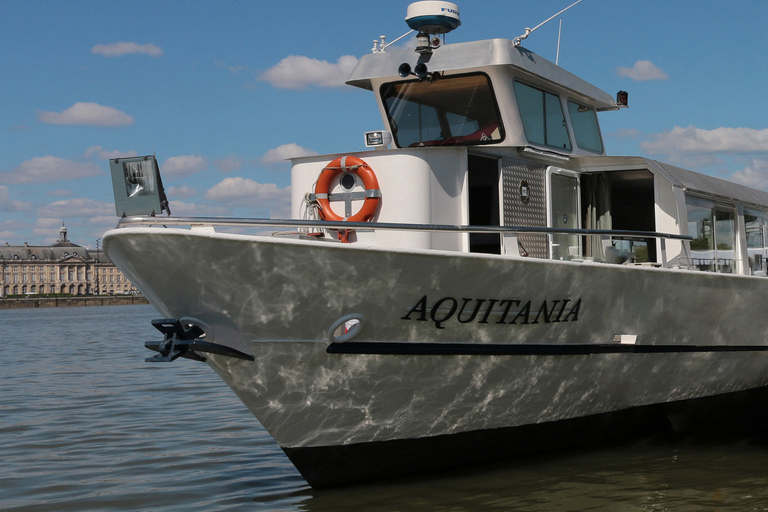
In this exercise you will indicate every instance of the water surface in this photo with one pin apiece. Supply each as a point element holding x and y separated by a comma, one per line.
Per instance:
<point>86,424</point>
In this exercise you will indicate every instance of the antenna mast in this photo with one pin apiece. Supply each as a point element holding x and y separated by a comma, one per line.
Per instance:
<point>528,31</point>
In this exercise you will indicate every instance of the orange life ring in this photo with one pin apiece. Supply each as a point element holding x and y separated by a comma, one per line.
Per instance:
<point>354,165</point>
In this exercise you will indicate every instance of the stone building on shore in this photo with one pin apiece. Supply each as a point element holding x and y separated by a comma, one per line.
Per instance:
<point>61,268</point>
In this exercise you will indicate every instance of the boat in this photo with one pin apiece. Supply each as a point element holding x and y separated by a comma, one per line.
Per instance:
<point>482,281</point>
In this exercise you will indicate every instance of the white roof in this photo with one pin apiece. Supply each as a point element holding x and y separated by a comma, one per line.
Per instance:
<point>472,55</point>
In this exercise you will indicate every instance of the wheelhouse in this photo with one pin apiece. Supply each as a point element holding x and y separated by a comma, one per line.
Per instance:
<point>491,135</point>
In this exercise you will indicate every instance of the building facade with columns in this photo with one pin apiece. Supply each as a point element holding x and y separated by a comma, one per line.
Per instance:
<point>61,268</point>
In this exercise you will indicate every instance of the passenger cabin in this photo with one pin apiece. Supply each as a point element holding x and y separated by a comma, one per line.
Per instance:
<point>488,133</point>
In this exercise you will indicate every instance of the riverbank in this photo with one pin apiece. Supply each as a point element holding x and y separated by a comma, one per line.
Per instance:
<point>56,302</point>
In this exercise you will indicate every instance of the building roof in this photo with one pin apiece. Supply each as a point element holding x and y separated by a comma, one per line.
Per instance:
<point>63,250</point>
<point>42,253</point>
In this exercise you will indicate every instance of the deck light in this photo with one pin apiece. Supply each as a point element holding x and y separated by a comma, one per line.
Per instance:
<point>622,98</point>
<point>137,186</point>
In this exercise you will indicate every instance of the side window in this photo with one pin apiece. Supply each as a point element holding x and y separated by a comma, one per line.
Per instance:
<point>755,224</point>
<point>713,228</point>
<point>542,116</point>
<point>585,127</point>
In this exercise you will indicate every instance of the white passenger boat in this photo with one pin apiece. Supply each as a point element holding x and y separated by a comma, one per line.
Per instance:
<point>481,281</point>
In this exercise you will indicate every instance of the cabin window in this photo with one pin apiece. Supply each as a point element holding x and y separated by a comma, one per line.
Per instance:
<point>585,128</point>
<point>542,116</point>
<point>755,223</point>
<point>450,111</point>
<point>713,228</point>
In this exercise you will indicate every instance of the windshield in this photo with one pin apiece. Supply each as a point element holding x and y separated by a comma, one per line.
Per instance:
<point>449,111</point>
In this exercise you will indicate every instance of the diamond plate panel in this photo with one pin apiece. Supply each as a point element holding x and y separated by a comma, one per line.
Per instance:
<point>525,201</point>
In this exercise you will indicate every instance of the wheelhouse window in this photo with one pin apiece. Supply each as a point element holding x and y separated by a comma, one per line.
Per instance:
<point>585,127</point>
<point>542,116</point>
<point>456,110</point>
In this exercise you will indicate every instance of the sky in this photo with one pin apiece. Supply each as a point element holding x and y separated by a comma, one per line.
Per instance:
<point>222,92</point>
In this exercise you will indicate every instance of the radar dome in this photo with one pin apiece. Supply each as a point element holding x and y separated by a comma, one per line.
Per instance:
<point>433,17</point>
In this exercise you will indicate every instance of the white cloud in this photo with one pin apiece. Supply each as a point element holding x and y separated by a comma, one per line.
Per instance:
<point>697,140</point>
<point>107,221</point>
<point>78,207</point>
<point>754,175</point>
<point>280,154</point>
<point>103,154</point>
<point>126,48</point>
<point>695,160</point>
<point>46,234</point>
<point>183,209</point>
<point>183,165</point>
<point>48,223</point>
<point>9,231</point>
<point>182,192</point>
<point>49,168</point>
<point>87,113</point>
<point>60,192</point>
<point>643,70</point>
<point>696,148</point>
<point>8,205</point>
<point>300,72</point>
<point>243,191</point>
<point>229,164</point>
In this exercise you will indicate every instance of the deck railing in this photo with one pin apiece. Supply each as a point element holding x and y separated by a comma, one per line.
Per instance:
<point>336,225</point>
<point>509,234</point>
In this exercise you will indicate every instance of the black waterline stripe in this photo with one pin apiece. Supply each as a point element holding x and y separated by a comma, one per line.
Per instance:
<point>486,349</point>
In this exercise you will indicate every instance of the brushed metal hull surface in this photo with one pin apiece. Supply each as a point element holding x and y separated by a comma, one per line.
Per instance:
<point>277,300</point>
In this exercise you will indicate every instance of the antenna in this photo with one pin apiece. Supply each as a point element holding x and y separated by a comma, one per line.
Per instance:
<point>528,31</point>
<point>559,31</point>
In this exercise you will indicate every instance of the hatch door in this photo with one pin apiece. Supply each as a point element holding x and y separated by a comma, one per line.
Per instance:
<point>563,211</point>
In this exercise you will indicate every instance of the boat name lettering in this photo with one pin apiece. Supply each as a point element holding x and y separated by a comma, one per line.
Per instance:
<point>499,311</point>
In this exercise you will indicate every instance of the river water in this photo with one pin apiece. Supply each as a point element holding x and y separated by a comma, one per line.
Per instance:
<point>86,424</point>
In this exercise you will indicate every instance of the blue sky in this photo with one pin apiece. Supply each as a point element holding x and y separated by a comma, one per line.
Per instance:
<point>223,91</point>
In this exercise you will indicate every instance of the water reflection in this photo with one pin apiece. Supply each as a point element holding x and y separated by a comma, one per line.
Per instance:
<point>642,477</point>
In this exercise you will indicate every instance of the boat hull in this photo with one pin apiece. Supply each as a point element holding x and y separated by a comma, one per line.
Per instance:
<point>450,348</point>
<point>721,418</point>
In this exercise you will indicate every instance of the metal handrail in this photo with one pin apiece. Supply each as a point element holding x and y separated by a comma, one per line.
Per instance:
<point>323,224</point>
